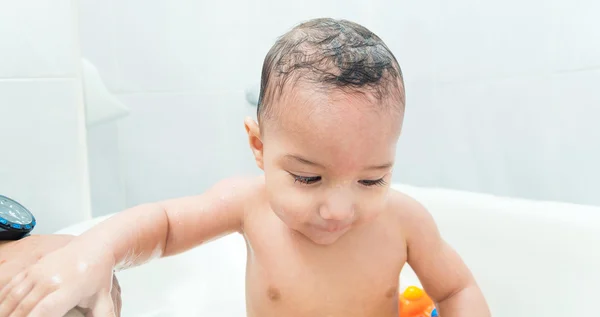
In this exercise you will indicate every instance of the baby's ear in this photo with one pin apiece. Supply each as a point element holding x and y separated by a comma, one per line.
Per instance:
<point>254,140</point>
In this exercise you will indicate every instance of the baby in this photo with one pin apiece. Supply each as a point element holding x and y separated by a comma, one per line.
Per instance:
<point>326,236</point>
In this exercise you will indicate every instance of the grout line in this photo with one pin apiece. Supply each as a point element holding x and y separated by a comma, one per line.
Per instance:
<point>539,74</point>
<point>578,70</point>
<point>3,79</point>
<point>86,195</point>
<point>122,168</point>
<point>178,92</point>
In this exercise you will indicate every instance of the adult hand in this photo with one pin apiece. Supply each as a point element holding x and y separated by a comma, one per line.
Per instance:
<point>17,256</point>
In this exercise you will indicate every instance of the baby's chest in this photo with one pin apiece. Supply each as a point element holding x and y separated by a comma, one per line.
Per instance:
<point>362,276</point>
<point>295,277</point>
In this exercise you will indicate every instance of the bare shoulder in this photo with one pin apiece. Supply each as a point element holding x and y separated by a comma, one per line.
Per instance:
<point>230,196</point>
<point>411,215</point>
<point>242,185</point>
<point>245,192</point>
<point>240,189</point>
<point>405,206</point>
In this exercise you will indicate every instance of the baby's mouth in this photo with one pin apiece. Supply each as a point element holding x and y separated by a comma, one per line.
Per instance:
<point>333,228</point>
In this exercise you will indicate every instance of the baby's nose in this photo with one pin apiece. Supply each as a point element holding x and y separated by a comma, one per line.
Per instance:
<point>337,211</point>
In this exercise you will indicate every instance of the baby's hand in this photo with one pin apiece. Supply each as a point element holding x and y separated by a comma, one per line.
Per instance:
<point>72,276</point>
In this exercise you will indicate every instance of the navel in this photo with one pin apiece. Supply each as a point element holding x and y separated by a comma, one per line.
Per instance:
<point>391,292</point>
<point>273,293</point>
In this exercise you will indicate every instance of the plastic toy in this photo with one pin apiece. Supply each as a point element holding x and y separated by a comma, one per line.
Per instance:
<point>415,303</point>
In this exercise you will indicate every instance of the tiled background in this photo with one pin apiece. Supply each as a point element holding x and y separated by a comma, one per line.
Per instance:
<point>43,157</point>
<point>501,95</point>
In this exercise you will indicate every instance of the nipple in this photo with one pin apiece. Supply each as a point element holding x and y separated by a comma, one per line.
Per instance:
<point>273,293</point>
<point>391,292</point>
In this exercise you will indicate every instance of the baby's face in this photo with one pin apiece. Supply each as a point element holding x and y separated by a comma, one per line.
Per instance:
<point>328,160</point>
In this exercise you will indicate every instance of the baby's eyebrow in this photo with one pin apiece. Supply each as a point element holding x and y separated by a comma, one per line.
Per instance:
<point>309,162</point>
<point>381,167</point>
<point>302,160</point>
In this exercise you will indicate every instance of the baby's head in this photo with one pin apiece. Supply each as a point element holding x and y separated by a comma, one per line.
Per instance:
<point>330,112</point>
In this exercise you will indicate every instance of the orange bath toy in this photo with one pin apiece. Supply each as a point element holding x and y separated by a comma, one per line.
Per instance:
<point>415,303</point>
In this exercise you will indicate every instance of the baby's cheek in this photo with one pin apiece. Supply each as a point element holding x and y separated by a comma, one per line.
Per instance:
<point>369,214</point>
<point>370,206</point>
<point>294,206</point>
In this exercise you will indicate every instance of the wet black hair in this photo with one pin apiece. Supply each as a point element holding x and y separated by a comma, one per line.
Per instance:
<point>330,54</point>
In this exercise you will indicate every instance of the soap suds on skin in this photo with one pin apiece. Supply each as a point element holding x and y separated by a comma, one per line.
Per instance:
<point>56,279</point>
<point>132,259</point>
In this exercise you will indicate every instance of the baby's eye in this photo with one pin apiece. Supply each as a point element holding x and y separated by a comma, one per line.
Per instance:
<point>378,182</point>
<point>306,179</point>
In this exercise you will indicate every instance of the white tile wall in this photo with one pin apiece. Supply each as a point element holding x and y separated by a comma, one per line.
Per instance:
<point>476,40</point>
<point>576,136</point>
<point>533,137</point>
<point>180,144</point>
<point>576,34</point>
<point>107,180</point>
<point>485,138</point>
<point>37,39</point>
<point>97,29</point>
<point>415,159</point>
<point>173,46</point>
<point>43,161</point>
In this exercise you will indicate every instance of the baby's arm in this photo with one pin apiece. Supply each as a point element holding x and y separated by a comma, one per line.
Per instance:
<point>440,269</point>
<point>80,273</point>
<point>166,228</point>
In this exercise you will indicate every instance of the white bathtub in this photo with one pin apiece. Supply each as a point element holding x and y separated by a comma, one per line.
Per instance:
<point>530,258</point>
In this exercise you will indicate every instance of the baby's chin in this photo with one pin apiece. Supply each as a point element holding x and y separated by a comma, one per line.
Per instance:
<point>325,240</point>
<point>322,237</point>
<point>312,232</point>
